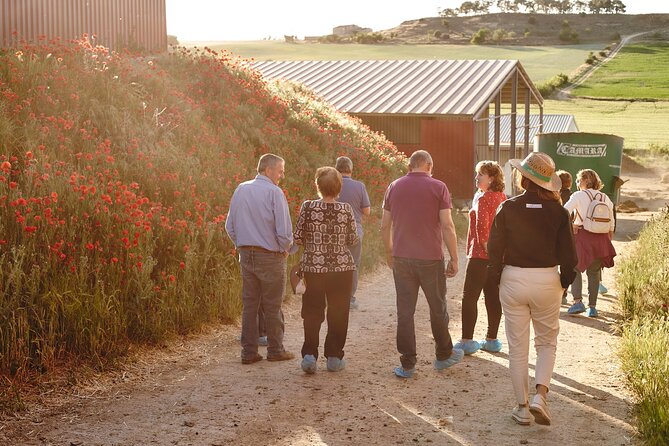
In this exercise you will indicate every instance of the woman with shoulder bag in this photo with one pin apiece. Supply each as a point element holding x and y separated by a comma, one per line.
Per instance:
<point>594,249</point>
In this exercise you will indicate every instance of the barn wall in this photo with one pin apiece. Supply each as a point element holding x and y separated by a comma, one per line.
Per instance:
<point>140,24</point>
<point>451,144</point>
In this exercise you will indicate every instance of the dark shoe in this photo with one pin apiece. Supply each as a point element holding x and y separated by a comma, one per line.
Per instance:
<point>252,359</point>
<point>564,300</point>
<point>283,356</point>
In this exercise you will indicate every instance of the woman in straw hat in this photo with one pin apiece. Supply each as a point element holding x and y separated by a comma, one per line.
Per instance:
<point>532,258</point>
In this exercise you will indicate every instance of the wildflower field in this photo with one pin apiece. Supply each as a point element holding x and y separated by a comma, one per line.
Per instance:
<point>116,172</point>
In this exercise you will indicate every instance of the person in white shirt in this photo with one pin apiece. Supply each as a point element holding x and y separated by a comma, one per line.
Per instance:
<point>594,250</point>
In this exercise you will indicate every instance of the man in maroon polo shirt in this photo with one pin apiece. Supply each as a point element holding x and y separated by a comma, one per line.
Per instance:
<point>416,223</point>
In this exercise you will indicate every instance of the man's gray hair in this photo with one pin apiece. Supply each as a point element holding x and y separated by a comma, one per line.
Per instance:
<point>419,158</point>
<point>268,160</point>
<point>344,164</point>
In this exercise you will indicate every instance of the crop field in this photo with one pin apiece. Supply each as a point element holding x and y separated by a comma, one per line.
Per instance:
<point>640,123</point>
<point>639,71</point>
<point>541,63</point>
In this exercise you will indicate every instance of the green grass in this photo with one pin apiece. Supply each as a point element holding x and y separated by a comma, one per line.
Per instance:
<point>639,71</point>
<point>541,63</point>
<point>640,123</point>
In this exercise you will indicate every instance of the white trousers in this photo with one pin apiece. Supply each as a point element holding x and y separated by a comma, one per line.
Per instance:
<point>530,295</point>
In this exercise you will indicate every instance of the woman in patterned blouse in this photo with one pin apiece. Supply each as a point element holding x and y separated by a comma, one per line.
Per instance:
<point>488,197</point>
<point>326,229</point>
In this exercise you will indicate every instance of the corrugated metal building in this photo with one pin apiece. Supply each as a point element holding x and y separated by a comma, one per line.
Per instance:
<point>442,106</point>
<point>138,24</point>
<point>551,124</point>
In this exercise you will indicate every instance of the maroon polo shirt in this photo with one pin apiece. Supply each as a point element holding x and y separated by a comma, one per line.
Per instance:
<point>414,201</point>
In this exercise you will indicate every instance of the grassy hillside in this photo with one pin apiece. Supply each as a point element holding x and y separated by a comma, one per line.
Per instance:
<point>639,71</point>
<point>116,173</point>
<point>640,123</point>
<point>526,29</point>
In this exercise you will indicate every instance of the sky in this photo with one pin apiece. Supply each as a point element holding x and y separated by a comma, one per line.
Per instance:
<point>212,20</point>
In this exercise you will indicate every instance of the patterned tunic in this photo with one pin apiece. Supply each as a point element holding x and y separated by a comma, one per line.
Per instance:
<point>326,230</point>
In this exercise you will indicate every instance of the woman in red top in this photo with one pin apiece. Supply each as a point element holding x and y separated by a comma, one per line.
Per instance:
<point>489,195</point>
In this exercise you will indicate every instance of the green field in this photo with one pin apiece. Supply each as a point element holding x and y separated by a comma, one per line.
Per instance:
<point>640,123</point>
<point>639,71</point>
<point>541,63</point>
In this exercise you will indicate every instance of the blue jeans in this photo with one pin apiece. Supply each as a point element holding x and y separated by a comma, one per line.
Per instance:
<point>429,275</point>
<point>263,283</point>
<point>593,272</point>
<point>356,252</point>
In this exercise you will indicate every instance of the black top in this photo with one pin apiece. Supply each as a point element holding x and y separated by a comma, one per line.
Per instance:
<point>532,233</point>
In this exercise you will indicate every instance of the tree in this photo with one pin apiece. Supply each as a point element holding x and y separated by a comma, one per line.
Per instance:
<point>448,12</point>
<point>618,7</point>
<point>529,5</point>
<point>507,5</point>
<point>467,8</point>
<point>580,6</point>
<point>563,6</point>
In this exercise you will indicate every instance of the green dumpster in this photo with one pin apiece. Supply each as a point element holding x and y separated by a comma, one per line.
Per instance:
<point>575,151</point>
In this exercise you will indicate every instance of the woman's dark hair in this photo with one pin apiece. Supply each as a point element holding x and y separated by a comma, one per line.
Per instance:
<point>544,194</point>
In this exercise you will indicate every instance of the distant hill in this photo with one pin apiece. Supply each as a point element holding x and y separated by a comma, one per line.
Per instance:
<point>527,29</point>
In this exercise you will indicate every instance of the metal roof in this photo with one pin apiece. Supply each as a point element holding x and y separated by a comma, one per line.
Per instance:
<point>405,87</point>
<point>552,124</point>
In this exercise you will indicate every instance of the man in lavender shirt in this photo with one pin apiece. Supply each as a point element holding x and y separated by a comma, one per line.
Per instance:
<point>354,193</point>
<point>259,225</point>
<point>416,222</point>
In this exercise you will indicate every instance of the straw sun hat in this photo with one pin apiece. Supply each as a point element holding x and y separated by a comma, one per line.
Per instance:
<point>539,168</point>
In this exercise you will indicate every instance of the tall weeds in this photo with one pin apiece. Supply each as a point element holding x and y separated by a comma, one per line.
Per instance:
<point>644,350</point>
<point>116,172</point>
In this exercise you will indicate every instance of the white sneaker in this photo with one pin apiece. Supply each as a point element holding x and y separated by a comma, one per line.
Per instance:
<point>521,415</point>
<point>539,409</point>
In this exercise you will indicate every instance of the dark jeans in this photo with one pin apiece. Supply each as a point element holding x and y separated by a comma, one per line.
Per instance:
<point>263,284</point>
<point>429,275</point>
<point>475,282</point>
<point>334,291</point>
<point>594,275</point>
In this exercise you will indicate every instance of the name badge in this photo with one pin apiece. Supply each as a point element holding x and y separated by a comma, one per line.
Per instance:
<point>533,206</point>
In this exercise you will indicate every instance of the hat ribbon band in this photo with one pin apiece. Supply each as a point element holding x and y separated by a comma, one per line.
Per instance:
<point>535,173</point>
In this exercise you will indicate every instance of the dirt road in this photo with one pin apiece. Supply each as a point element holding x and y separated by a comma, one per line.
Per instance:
<point>197,392</point>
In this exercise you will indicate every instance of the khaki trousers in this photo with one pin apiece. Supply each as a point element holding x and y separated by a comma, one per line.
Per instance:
<point>530,295</point>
